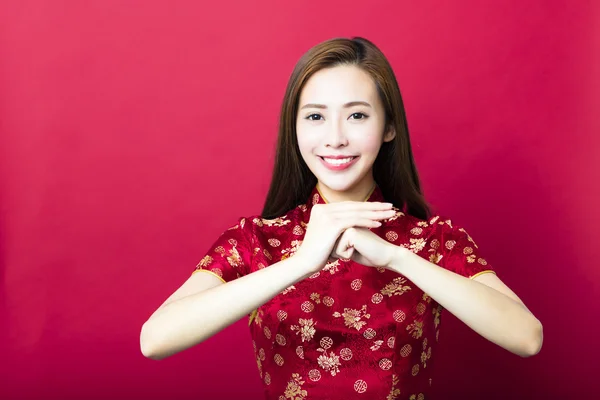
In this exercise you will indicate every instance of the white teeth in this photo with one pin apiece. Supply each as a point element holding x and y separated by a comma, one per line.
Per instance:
<point>338,161</point>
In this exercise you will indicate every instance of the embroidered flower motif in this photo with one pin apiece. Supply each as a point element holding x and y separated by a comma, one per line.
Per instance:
<point>329,363</point>
<point>305,328</point>
<point>205,262</point>
<point>352,317</point>
<point>332,266</point>
<point>234,258</point>
<point>290,251</point>
<point>435,258</point>
<point>394,391</point>
<point>416,245</point>
<point>377,344</point>
<point>416,329</point>
<point>294,389</point>
<point>426,354</point>
<point>397,215</point>
<point>437,312</point>
<point>396,287</point>
<point>276,222</point>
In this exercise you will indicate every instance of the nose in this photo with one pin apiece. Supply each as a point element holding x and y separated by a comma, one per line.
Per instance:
<point>336,135</point>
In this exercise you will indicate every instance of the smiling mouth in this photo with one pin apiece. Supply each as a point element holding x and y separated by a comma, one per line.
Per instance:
<point>338,161</point>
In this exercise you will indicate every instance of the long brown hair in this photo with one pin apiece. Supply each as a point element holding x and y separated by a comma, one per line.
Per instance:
<point>394,169</point>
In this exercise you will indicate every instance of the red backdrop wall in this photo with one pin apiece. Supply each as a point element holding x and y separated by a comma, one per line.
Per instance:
<point>134,133</point>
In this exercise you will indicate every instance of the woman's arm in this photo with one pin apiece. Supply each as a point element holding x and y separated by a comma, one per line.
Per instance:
<point>203,306</point>
<point>484,303</point>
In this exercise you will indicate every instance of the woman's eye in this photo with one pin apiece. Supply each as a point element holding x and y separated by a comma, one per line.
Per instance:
<point>358,115</point>
<point>313,117</point>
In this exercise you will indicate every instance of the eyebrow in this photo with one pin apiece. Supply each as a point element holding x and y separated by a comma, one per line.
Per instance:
<point>347,105</point>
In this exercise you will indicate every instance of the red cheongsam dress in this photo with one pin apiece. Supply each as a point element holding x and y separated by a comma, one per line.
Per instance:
<point>348,331</point>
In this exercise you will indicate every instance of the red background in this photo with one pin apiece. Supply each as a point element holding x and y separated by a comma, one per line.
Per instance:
<point>133,133</point>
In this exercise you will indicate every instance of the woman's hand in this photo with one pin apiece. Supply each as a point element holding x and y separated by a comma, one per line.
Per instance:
<point>328,221</point>
<point>365,247</point>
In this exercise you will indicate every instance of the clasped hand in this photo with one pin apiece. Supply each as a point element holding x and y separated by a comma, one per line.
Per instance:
<point>341,230</point>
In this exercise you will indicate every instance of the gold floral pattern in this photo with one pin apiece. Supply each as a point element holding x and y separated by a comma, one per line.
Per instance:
<point>396,287</point>
<point>416,245</point>
<point>290,251</point>
<point>416,329</point>
<point>437,312</point>
<point>394,391</point>
<point>352,317</point>
<point>330,363</point>
<point>332,266</point>
<point>205,262</point>
<point>276,222</point>
<point>426,354</point>
<point>305,328</point>
<point>234,259</point>
<point>435,257</point>
<point>294,389</point>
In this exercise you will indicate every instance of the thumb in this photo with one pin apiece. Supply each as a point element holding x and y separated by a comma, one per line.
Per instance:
<point>347,254</point>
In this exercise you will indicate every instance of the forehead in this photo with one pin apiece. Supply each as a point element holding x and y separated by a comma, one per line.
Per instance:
<point>339,85</point>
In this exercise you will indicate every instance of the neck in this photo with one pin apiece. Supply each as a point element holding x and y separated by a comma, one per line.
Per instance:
<point>359,192</point>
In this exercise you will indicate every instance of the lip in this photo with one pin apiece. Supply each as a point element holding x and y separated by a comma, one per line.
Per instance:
<point>338,156</point>
<point>338,167</point>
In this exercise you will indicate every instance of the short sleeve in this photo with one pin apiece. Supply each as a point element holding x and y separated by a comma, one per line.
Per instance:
<point>460,253</point>
<point>229,257</point>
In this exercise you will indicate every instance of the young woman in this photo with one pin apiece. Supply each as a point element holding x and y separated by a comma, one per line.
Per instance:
<point>345,273</point>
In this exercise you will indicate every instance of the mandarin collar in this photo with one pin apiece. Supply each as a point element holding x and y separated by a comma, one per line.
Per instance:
<point>316,197</point>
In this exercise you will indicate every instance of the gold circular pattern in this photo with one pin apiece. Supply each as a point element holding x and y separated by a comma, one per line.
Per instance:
<point>314,375</point>
<point>326,342</point>
<point>406,350</point>
<point>307,307</point>
<point>278,359</point>
<point>385,364</point>
<point>346,354</point>
<point>391,236</point>
<point>300,352</point>
<point>281,315</point>
<point>360,386</point>
<point>280,339</point>
<point>399,316</point>
<point>376,298</point>
<point>370,333</point>
<point>391,342</point>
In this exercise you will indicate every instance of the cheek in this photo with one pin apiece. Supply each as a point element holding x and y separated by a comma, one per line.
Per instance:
<point>370,145</point>
<point>306,141</point>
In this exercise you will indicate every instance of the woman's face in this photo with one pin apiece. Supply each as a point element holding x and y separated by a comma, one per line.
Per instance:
<point>340,127</point>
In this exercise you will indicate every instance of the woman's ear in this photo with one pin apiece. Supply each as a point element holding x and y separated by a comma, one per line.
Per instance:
<point>389,134</point>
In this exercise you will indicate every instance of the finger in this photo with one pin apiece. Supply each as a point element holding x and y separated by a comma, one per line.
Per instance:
<point>374,215</point>
<point>342,249</point>
<point>360,205</point>
<point>359,223</point>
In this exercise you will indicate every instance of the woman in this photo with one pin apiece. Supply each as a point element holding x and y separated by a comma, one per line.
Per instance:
<point>345,273</point>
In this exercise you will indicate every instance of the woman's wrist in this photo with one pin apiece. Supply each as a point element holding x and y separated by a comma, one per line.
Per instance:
<point>398,260</point>
<point>305,263</point>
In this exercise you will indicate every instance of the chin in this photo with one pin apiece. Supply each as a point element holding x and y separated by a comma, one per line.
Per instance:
<point>340,181</point>
<point>339,184</point>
